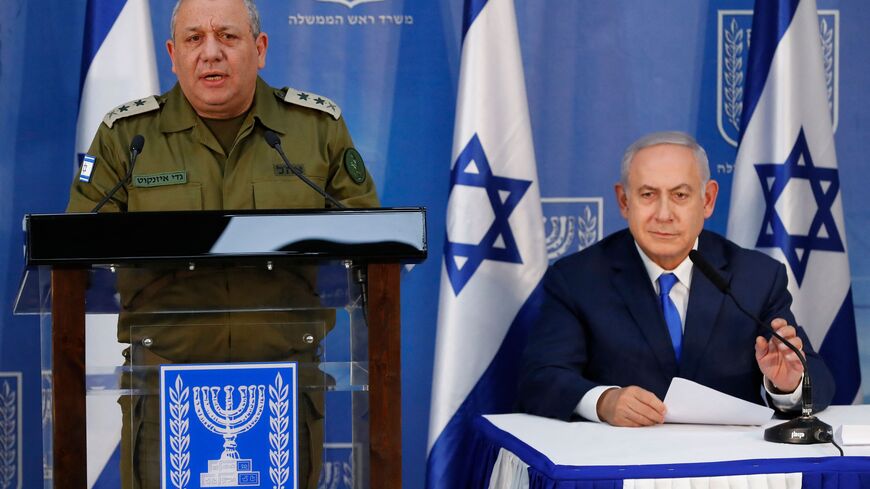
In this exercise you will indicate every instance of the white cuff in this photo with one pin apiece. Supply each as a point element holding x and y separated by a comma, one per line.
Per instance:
<point>588,405</point>
<point>784,401</point>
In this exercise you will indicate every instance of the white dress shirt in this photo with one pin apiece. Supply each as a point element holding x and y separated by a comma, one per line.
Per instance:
<point>679,294</point>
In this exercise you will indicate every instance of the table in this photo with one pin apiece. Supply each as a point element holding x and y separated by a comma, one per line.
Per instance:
<point>522,451</point>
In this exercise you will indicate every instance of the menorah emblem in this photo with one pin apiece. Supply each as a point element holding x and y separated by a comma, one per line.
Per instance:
<point>229,421</point>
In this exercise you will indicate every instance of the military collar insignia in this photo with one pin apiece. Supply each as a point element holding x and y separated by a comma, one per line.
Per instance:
<point>132,107</point>
<point>312,101</point>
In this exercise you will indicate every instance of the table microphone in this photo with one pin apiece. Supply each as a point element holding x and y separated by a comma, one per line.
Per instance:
<point>805,429</point>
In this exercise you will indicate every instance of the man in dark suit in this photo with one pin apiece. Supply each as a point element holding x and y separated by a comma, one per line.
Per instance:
<point>622,318</point>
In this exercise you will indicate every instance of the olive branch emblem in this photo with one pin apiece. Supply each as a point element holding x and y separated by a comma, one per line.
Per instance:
<point>279,437</point>
<point>179,439</point>
<point>8,435</point>
<point>733,103</point>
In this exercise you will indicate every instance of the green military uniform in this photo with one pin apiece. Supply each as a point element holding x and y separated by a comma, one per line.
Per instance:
<point>200,175</point>
<point>183,166</point>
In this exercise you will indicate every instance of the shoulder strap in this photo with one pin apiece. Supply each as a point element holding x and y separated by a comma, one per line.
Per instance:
<point>132,107</point>
<point>312,101</point>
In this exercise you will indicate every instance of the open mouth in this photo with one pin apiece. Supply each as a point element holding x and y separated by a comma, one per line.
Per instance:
<point>213,77</point>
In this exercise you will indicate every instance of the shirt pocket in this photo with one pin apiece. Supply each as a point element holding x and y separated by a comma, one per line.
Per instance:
<point>187,197</point>
<point>288,193</point>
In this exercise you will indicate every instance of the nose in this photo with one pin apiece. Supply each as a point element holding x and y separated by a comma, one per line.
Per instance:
<point>663,210</point>
<point>211,49</point>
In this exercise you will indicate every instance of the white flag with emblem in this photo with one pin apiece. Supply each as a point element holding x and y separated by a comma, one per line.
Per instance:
<point>118,63</point>
<point>785,198</point>
<point>494,254</point>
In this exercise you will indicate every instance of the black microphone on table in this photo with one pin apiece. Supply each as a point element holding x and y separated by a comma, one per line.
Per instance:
<point>805,429</point>
<point>273,141</point>
<point>136,145</point>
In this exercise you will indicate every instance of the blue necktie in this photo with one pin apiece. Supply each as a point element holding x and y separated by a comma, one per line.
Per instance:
<point>672,316</point>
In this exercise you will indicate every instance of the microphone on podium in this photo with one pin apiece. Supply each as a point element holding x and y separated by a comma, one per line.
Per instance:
<point>805,429</point>
<point>275,142</point>
<point>136,145</point>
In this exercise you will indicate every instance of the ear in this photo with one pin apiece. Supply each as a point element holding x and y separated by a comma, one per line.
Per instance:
<point>711,191</point>
<point>170,48</point>
<point>262,42</point>
<point>621,199</point>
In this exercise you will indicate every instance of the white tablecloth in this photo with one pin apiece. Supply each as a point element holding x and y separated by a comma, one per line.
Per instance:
<point>596,445</point>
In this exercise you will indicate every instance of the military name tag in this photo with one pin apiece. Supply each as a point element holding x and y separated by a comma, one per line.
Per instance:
<point>160,179</point>
<point>281,170</point>
<point>229,425</point>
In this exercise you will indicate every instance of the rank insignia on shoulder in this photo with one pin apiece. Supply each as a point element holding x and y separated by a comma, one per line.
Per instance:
<point>87,168</point>
<point>312,101</point>
<point>132,107</point>
<point>354,165</point>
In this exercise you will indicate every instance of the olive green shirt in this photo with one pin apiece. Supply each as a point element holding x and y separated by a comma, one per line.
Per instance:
<point>225,131</point>
<point>180,167</point>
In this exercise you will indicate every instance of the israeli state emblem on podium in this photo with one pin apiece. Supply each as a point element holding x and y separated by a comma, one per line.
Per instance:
<point>228,425</point>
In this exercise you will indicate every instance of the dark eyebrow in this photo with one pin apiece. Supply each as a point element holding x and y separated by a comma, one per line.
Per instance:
<point>682,186</point>
<point>216,28</point>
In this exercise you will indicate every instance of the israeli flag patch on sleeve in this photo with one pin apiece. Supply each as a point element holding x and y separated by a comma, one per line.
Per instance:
<point>87,168</point>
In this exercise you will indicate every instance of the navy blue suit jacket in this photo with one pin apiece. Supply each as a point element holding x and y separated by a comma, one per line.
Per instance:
<point>600,324</point>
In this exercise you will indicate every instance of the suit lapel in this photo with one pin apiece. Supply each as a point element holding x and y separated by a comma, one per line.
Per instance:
<point>633,284</point>
<point>705,301</point>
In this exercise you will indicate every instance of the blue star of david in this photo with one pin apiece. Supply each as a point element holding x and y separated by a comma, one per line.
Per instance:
<point>496,187</point>
<point>823,234</point>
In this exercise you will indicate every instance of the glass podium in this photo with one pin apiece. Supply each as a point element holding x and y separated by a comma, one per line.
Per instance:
<point>128,302</point>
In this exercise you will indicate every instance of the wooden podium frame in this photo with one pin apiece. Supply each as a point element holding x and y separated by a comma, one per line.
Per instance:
<point>381,256</point>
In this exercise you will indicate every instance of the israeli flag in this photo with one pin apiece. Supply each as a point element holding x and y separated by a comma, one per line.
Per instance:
<point>118,63</point>
<point>494,254</point>
<point>785,197</point>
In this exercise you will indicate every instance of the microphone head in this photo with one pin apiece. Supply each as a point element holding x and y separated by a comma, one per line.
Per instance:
<point>707,269</point>
<point>137,143</point>
<point>272,139</point>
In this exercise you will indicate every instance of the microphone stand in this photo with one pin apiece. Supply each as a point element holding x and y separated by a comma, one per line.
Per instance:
<point>135,149</point>
<point>806,429</point>
<point>273,141</point>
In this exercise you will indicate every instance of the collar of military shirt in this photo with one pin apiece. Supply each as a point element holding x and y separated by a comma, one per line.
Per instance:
<point>178,114</point>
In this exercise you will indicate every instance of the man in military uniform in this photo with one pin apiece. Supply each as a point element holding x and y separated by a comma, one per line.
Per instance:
<point>205,149</point>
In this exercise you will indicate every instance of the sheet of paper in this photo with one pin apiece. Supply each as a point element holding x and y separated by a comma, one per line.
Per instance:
<point>853,434</point>
<point>691,402</point>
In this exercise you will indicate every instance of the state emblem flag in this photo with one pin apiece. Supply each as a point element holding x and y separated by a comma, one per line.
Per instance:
<point>785,198</point>
<point>494,253</point>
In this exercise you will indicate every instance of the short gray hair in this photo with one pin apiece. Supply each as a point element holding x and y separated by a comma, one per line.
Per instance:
<point>253,17</point>
<point>667,137</point>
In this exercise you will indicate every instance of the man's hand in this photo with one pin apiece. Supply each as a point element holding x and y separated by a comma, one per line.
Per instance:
<point>630,406</point>
<point>777,362</point>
